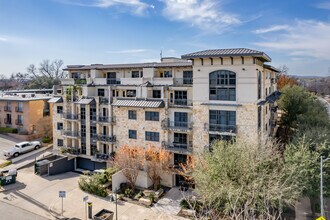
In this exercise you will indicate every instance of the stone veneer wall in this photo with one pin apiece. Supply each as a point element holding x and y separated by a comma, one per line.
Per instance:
<point>200,134</point>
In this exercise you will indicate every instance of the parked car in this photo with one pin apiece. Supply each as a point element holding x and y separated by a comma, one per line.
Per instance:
<point>21,148</point>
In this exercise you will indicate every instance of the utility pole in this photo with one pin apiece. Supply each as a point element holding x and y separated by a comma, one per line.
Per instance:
<point>321,184</point>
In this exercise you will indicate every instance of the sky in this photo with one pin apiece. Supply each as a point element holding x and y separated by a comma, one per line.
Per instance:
<point>295,33</point>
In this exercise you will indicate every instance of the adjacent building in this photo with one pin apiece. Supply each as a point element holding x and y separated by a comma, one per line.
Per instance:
<point>181,105</point>
<point>23,110</point>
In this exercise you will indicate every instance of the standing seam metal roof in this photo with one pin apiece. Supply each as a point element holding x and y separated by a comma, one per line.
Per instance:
<point>226,53</point>
<point>139,103</point>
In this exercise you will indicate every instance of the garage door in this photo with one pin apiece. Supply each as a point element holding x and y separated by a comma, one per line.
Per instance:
<point>86,164</point>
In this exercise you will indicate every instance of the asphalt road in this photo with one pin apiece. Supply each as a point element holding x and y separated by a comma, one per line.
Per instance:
<point>5,143</point>
<point>14,213</point>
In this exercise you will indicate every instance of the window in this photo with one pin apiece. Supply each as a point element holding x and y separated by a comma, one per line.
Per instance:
<point>168,73</point>
<point>132,134</point>
<point>114,93</point>
<point>132,114</point>
<point>180,159</point>
<point>259,85</point>
<point>202,61</point>
<point>266,91</point>
<point>152,136</point>
<point>59,109</point>
<point>181,119</point>
<point>157,94</point>
<point>223,85</point>
<point>83,130</point>
<point>100,92</point>
<point>131,93</point>
<point>83,113</point>
<point>92,114</point>
<point>60,142</point>
<point>93,131</point>
<point>152,116</point>
<point>180,97</point>
<point>83,148</point>
<point>20,106</point>
<point>19,119</point>
<point>259,117</point>
<point>135,74</point>
<point>75,75</point>
<point>222,121</point>
<point>93,149</point>
<point>180,139</point>
<point>187,77</point>
<point>59,126</point>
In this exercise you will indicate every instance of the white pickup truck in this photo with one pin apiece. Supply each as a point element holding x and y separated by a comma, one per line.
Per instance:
<point>21,148</point>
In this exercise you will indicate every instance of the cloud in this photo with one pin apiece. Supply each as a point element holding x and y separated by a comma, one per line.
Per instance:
<point>207,15</point>
<point>3,38</point>
<point>136,6</point>
<point>304,38</point>
<point>273,28</point>
<point>132,51</point>
<point>323,5</point>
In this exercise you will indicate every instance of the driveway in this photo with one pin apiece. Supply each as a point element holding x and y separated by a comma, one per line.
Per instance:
<point>40,196</point>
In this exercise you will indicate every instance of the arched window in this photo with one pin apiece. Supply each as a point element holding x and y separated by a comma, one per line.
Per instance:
<point>223,85</point>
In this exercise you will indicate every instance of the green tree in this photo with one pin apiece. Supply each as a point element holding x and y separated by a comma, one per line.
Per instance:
<point>249,181</point>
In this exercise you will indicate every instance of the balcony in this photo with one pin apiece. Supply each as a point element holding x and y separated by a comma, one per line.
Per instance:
<point>18,109</point>
<point>113,81</point>
<point>70,150</point>
<point>106,138</point>
<point>18,122</point>
<point>220,128</point>
<point>106,119</point>
<point>7,108</point>
<point>181,102</point>
<point>104,100</point>
<point>70,133</point>
<point>102,157</point>
<point>70,116</point>
<point>177,125</point>
<point>80,81</point>
<point>183,81</point>
<point>178,147</point>
<point>7,121</point>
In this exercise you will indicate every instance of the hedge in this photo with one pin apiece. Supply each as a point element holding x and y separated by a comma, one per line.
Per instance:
<point>8,130</point>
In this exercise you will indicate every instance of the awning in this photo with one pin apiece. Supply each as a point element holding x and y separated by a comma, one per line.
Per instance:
<point>139,103</point>
<point>56,100</point>
<point>271,98</point>
<point>85,101</point>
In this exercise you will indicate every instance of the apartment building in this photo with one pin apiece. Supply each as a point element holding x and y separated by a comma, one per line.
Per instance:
<point>181,105</point>
<point>23,110</point>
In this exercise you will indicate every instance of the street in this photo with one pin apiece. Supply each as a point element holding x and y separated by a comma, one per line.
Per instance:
<point>5,143</point>
<point>14,213</point>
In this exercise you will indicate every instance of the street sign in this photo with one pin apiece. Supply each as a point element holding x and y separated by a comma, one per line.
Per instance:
<point>85,198</point>
<point>61,194</point>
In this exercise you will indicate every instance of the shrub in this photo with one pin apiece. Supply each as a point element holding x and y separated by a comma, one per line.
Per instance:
<point>184,204</point>
<point>92,185</point>
<point>129,193</point>
<point>8,130</point>
<point>4,164</point>
<point>46,140</point>
<point>152,197</point>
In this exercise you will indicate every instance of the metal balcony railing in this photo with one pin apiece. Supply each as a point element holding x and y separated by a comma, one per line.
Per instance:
<point>70,133</point>
<point>221,128</point>
<point>178,147</point>
<point>106,119</point>
<point>106,138</point>
<point>7,108</point>
<point>113,81</point>
<point>181,102</point>
<point>183,81</point>
<point>104,100</point>
<point>18,122</point>
<point>18,109</point>
<point>70,116</point>
<point>71,150</point>
<point>7,121</point>
<point>177,125</point>
<point>80,81</point>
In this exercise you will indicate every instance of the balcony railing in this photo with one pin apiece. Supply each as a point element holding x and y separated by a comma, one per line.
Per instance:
<point>18,109</point>
<point>70,150</point>
<point>70,133</point>
<point>113,81</point>
<point>177,125</point>
<point>70,116</point>
<point>183,81</point>
<point>7,121</point>
<point>106,138</point>
<point>80,81</point>
<point>106,119</point>
<point>181,102</point>
<point>221,128</point>
<point>18,122</point>
<point>104,100</point>
<point>7,109</point>
<point>178,147</point>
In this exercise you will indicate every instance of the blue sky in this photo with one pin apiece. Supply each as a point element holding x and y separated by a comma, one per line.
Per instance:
<point>295,33</point>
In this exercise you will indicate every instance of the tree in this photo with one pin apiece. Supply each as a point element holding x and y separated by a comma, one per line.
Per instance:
<point>44,127</point>
<point>283,78</point>
<point>249,181</point>
<point>46,75</point>
<point>157,161</point>
<point>130,161</point>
